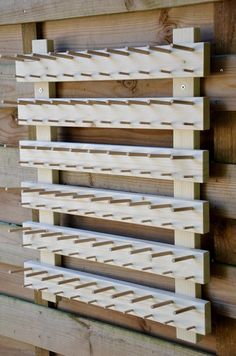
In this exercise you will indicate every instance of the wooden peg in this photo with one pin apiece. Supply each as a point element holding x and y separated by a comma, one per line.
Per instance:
<point>161,206</point>
<point>51,75</point>
<point>182,48</point>
<point>118,51</point>
<point>106,169</point>
<point>68,75</point>
<point>19,270</point>
<point>127,218</point>
<point>41,247</point>
<point>144,122</point>
<point>161,254</point>
<point>106,121</point>
<point>55,207</point>
<point>121,247</point>
<point>43,56</point>
<point>183,102</point>
<point>166,224</point>
<point>140,250</point>
<point>188,123</point>
<point>169,123</point>
<point>188,70</point>
<point>92,258</point>
<point>21,228</point>
<point>75,296</point>
<point>85,240</point>
<point>59,292</point>
<point>89,213</point>
<point>183,208</point>
<point>56,250</point>
<point>168,322</point>
<point>85,285</point>
<point>33,274</point>
<point>107,215</point>
<point>184,310</point>
<point>86,74</point>
<point>79,54</point>
<point>145,172</point>
<point>159,102</point>
<point>188,227</point>
<point>161,304</point>
<point>32,232</point>
<point>138,50</point>
<point>41,289</point>
<point>27,285</point>
<point>122,294</point>
<point>117,102</point>
<point>102,243</point>
<point>188,278</point>
<point>72,210</point>
<point>73,253</point>
<point>146,221</point>
<point>51,234</point>
<point>109,260</point>
<point>141,299</point>
<point>119,201</point>
<point>129,311</point>
<point>20,76</point>
<point>182,157</point>
<point>34,76</point>
<point>40,205</point>
<point>61,55</point>
<point>109,306</point>
<point>139,203</point>
<point>55,276</point>
<point>104,74</point>
<point>103,289</point>
<point>147,268</point>
<point>148,316</point>
<point>144,72</point>
<point>26,245</point>
<point>183,258</point>
<point>166,174</point>
<point>190,328</point>
<point>165,71</point>
<point>92,301</point>
<point>98,53</point>
<point>160,49</point>
<point>124,73</point>
<point>167,272</point>
<point>127,264</point>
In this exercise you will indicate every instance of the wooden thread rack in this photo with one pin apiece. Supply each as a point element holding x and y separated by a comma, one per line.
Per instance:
<point>186,113</point>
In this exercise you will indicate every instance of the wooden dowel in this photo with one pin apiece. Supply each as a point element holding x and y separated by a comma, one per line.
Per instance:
<point>55,207</point>
<point>188,227</point>
<point>52,277</point>
<point>167,272</point>
<point>20,76</point>
<point>144,72</point>
<point>69,280</point>
<point>127,218</point>
<point>43,288</point>
<point>168,322</point>
<point>79,54</point>
<point>102,243</point>
<point>85,285</point>
<point>118,51</point>
<point>161,206</point>
<point>41,248</point>
<point>34,76</point>
<point>51,75</point>
<point>142,298</point>
<point>73,253</point>
<point>98,53</point>
<point>75,296</point>
<point>189,277</point>
<point>161,254</point>
<point>109,306</point>
<point>81,241</point>
<point>56,250</point>
<point>183,258</point>
<point>122,294</point>
<point>31,232</point>
<point>43,56</point>
<point>184,310</point>
<point>160,49</point>
<point>183,208</point>
<point>166,123</point>
<point>59,292</point>
<point>68,75</point>
<point>26,245</point>
<point>104,74</point>
<point>86,74</point>
<point>146,221</point>
<point>33,274</point>
<point>148,316</point>
<point>190,328</point>
<point>128,311</point>
<point>166,174</point>
<point>165,71</point>
<point>161,304</point>
<point>109,260</point>
<point>103,289</point>
<point>138,50</point>
<point>120,201</point>
<point>124,73</point>
<point>182,48</point>
<point>188,123</point>
<point>61,55</point>
<point>127,264</point>
<point>16,229</point>
<point>121,247</point>
<point>166,223</point>
<point>188,70</point>
<point>92,258</point>
<point>27,285</point>
<point>140,250</point>
<point>89,212</point>
<point>18,270</point>
<point>107,215</point>
<point>50,234</point>
<point>182,102</point>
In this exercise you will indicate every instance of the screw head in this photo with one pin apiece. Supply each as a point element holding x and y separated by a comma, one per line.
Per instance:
<point>183,86</point>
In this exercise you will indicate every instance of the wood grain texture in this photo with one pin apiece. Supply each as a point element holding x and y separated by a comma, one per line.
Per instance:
<point>82,334</point>
<point>10,347</point>
<point>33,10</point>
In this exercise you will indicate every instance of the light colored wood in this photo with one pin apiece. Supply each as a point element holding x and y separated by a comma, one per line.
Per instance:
<point>46,90</point>
<point>189,87</point>
<point>153,114</point>
<point>160,210</point>
<point>142,254</point>
<point>100,290</point>
<point>161,163</point>
<point>156,64</point>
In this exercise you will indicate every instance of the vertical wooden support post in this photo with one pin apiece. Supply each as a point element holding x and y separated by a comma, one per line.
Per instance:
<point>186,139</point>
<point>46,133</point>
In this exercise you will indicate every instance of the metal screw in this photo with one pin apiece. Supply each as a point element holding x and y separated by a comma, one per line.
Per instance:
<point>183,86</point>
<point>40,90</point>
